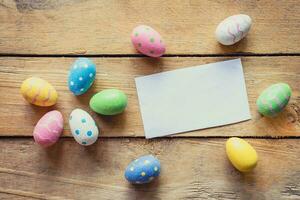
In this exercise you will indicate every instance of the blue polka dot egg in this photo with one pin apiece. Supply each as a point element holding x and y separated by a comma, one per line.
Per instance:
<point>83,127</point>
<point>143,170</point>
<point>81,76</point>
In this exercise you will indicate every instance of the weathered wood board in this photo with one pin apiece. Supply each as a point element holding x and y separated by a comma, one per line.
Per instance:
<point>104,27</point>
<point>260,72</point>
<point>191,169</point>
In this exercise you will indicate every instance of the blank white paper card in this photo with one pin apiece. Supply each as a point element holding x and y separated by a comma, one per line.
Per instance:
<point>193,98</point>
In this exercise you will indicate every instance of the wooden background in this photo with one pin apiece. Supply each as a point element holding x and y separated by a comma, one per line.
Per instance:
<point>44,37</point>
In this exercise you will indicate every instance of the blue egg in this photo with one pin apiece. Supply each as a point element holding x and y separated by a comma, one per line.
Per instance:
<point>82,75</point>
<point>143,170</point>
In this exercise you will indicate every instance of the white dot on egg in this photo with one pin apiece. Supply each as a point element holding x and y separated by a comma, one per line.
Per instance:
<point>85,65</point>
<point>81,89</point>
<point>155,168</point>
<point>131,168</point>
<point>75,67</point>
<point>91,75</point>
<point>80,78</point>
<point>72,83</point>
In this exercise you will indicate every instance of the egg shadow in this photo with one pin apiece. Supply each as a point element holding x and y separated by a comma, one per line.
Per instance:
<point>156,64</point>
<point>243,183</point>
<point>53,156</point>
<point>144,191</point>
<point>109,122</point>
<point>238,47</point>
<point>151,62</point>
<point>50,161</point>
<point>84,99</point>
<point>92,151</point>
<point>286,121</point>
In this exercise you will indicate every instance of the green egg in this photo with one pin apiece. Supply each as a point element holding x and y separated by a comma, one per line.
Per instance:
<point>109,102</point>
<point>273,99</point>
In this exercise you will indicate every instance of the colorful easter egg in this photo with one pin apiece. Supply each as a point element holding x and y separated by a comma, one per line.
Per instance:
<point>143,170</point>
<point>48,129</point>
<point>274,99</point>
<point>38,92</point>
<point>83,127</point>
<point>147,41</point>
<point>233,29</point>
<point>241,154</point>
<point>82,75</point>
<point>109,102</point>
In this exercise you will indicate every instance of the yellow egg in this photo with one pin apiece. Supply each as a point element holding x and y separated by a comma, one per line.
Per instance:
<point>38,92</point>
<point>241,154</point>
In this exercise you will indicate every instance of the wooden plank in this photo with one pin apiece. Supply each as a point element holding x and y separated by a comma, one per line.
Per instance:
<point>18,117</point>
<point>5,196</point>
<point>104,27</point>
<point>191,169</point>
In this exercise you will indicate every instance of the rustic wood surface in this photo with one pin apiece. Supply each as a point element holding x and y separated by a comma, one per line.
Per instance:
<point>202,171</point>
<point>104,27</point>
<point>36,34</point>
<point>260,72</point>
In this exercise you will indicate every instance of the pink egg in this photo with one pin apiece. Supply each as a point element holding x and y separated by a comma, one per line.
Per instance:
<point>48,129</point>
<point>148,41</point>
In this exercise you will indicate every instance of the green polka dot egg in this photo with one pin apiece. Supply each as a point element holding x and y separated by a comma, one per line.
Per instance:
<point>83,127</point>
<point>273,99</point>
<point>143,170</point>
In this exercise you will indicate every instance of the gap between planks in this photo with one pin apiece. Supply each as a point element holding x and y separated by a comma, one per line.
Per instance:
<point>248,54</point>
<point>168,137</point>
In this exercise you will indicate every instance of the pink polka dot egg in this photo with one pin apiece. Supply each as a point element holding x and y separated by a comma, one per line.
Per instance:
<point>147,41</point>
<point>48,129</point>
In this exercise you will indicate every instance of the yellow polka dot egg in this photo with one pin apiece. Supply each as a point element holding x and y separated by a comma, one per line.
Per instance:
<point>143,170</point>
<point>39,92</point>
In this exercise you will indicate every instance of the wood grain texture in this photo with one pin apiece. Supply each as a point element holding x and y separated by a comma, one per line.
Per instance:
<point>191,169</point>
<point>259,72</point>
<point>104,27</point>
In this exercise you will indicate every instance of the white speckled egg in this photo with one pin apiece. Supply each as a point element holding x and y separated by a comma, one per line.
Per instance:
<point>233,29</point>
<point>83,127</point>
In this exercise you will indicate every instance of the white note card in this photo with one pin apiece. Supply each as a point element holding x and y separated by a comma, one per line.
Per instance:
<point>193,98</point>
